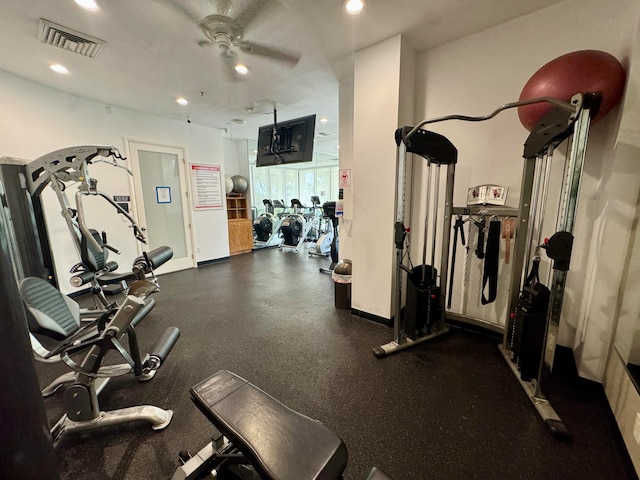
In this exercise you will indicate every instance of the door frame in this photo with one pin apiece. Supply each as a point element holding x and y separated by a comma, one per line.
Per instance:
<point>137,199</point>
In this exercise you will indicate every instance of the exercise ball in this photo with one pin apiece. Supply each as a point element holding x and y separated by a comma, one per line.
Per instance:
<point>577,72</point>
<point>228,184</point>
<point>240,184</point>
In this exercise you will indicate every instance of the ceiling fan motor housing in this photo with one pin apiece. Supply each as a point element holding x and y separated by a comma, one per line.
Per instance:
<point>221,30</point>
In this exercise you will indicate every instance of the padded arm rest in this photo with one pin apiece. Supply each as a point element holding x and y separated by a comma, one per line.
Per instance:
<point>154,259</point>
<point>280,443</point>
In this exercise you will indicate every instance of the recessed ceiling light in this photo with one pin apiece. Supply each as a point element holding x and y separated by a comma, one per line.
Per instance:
<point>61,69</point>
<point>324,120</point>
<point>353,7</point>
<point>88,4</point>
<point>182,101</point>
<point>241,69</point>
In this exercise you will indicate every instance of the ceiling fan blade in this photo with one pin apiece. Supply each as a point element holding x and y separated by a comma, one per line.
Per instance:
<point>271,53</point>
<point>254,10</point>
<point>181,10</point>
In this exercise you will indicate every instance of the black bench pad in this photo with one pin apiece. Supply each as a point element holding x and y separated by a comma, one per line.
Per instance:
<point>280,443</point>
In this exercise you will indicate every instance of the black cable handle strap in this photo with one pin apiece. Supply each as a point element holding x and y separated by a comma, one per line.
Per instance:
<point>492,253</point>
<point>458,227</point>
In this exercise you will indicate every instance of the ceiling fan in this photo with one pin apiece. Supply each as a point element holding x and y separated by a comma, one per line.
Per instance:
<point>227,33</point>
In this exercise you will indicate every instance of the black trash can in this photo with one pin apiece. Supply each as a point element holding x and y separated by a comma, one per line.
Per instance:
<point>342,280</point>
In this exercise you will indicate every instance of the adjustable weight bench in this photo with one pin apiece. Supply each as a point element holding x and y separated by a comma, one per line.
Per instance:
<point>259,436</point>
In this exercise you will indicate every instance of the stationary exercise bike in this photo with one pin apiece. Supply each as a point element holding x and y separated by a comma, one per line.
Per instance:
<point>297,226</point>
<point>329,211</point>
<point>266,227</point>
<point>325,231</point>
<point>257,437</point>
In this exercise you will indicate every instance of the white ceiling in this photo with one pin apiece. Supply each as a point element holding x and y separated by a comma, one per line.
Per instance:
<point>152,53</point>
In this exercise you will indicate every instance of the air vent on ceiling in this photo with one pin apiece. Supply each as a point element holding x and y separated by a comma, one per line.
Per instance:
<point>68,39</point>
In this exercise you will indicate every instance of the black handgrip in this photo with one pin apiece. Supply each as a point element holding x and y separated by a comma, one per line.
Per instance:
<point>110,266</point>
<point>163,346</point>
<point>398,236</point>
<point>154,258</point>
<point>82,279</point>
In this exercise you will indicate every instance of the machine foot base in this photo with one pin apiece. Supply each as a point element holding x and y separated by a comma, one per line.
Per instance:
<point>157,417</point>
<point>544,408</point>
<point>557,428</point>
<point>395,346</point>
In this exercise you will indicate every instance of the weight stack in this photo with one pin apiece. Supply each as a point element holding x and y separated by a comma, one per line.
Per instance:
<point>531,318</point>
<point>423,302</point>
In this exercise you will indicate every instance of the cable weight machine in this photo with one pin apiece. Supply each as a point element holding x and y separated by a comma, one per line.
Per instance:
<point>539,335</point>
<point>565,120</point>
<point>424,312</point>
<point>436,150</point>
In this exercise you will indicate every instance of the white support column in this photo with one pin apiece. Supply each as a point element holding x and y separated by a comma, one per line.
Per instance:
<point>383,89</point>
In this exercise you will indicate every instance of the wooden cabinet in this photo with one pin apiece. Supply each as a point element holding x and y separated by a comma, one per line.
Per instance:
<point>240,225</point>
<point>240,236</point>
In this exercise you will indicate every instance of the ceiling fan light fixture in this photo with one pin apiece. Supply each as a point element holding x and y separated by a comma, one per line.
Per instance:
<point>182,101</point>
<point>354,7</point>
<point>241,69</point>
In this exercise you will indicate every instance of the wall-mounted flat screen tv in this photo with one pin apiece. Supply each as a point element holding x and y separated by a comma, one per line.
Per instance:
<point>283,143</point>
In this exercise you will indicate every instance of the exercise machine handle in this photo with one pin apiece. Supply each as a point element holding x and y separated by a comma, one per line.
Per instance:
<point>82,279</point>
<point>110,266</point>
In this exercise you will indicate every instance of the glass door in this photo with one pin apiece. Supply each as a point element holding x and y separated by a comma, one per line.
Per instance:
<point>161,201</point>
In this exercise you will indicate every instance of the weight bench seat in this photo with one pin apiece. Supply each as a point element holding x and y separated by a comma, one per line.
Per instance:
<point>280,443</point>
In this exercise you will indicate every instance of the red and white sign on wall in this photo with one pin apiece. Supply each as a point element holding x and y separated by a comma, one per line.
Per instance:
<point>206,181</point>
<point>345,178</point>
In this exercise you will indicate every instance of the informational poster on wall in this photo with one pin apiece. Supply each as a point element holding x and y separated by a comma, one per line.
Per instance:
<point>163,194</point>
<point>206,182</point>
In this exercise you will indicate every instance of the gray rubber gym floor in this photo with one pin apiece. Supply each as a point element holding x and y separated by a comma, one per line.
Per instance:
<point>449,409</point>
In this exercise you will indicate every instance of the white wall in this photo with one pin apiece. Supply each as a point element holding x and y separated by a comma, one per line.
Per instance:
<point>37,120</point>
<point>621,391</point>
